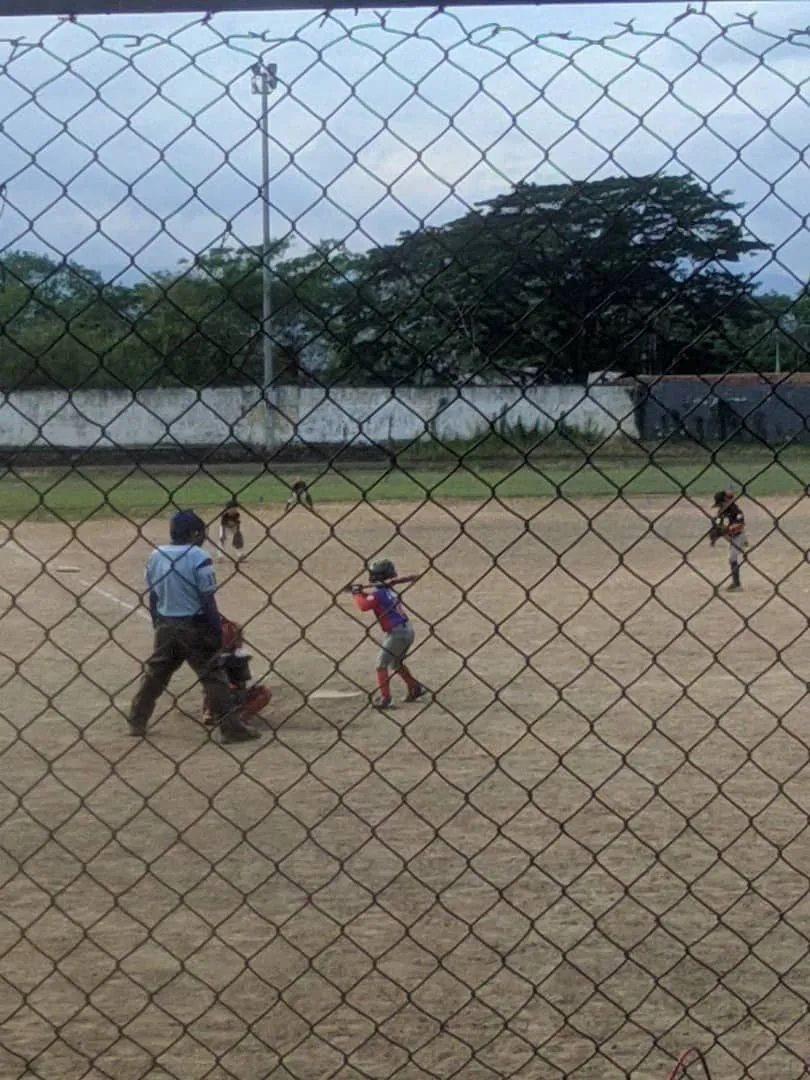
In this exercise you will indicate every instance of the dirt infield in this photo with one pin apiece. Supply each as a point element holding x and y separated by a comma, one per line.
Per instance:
<point>588,851</point>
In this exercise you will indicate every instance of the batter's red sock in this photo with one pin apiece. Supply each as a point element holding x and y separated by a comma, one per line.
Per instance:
<point>384,682</point>
<point>409,680</point>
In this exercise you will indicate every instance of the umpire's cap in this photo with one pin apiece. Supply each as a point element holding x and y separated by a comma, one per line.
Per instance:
<point>185,526</point>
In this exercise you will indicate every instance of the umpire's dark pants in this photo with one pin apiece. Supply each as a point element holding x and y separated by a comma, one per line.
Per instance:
<point>176,641</point>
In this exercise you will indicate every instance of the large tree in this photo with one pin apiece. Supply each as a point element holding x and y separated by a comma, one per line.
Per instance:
<point>639,273</point>
<point>59,321</point>
<point>198,325</point>
<point>779,337</point>
<point>569,278</point>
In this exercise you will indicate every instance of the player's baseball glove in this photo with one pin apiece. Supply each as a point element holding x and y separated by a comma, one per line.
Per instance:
<point>238,540</point>
<point>717,531</point>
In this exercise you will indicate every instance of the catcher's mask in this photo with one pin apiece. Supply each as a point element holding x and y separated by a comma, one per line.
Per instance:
<point>237,668</point>
<point>382,571</point>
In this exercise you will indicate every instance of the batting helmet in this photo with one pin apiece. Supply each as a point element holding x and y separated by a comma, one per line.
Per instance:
<point>383,570</point>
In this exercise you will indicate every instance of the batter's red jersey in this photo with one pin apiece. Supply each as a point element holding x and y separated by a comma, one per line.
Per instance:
<point>386,605</point>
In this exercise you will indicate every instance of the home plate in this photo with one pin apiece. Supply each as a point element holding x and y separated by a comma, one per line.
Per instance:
<point>67,569</point>
<point>325,692</point>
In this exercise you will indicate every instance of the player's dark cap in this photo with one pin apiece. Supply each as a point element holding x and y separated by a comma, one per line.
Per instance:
<point>185,526</point>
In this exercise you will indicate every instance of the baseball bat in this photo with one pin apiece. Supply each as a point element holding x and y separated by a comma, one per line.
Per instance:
<point>405,579</point>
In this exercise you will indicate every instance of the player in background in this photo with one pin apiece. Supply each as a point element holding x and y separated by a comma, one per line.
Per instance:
<point>299,496</point>
<point>230,529</point>
<point>385,603</point>
<point>188,628</point>
<point>729,524</point>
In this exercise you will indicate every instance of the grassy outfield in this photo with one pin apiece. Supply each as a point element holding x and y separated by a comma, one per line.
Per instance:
<point>88,491</point>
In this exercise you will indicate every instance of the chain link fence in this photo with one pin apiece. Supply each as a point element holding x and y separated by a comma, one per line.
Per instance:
<point>511,302</point>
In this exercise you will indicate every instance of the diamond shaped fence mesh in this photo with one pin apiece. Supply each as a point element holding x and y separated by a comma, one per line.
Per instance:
<point>520,308</point>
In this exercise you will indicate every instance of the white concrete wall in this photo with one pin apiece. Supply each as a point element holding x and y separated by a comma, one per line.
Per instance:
<point>152,418</point>
<point>368,415</point>
<point>234,415</point>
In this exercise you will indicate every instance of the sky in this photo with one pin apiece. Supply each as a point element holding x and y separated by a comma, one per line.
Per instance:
<point>131,142</point>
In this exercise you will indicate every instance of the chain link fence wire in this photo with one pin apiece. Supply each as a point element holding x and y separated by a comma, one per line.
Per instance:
<point>533,292</point>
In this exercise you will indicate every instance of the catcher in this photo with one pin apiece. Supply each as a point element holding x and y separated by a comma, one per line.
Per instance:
<point>396,626</point>
<point>230,529</point>
<point>299,496</point>
<point>246,701</point>
<point>728,524</point>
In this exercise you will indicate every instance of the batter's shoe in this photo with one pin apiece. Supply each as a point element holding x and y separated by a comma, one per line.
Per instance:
<point>416,693</point>
<point>238,733</point>
<point>383,703</point>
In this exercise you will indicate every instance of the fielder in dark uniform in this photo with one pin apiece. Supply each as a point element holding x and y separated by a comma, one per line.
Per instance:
<point>188,628</point>
<point>729,525</point>
<point>299,496</point>
<point>230,528</point>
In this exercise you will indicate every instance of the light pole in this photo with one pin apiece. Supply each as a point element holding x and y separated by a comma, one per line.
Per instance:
<point>263,80</point>
<point>789,324</point>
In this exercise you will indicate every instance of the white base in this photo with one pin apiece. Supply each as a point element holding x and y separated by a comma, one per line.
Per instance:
<point>334,694</point>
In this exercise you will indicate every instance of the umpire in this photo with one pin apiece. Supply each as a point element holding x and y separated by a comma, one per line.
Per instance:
<point>188,627</point>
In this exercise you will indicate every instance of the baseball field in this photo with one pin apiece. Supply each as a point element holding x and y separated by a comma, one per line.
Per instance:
<point>586,851</point>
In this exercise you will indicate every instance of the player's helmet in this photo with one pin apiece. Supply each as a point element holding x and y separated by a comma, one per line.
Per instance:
<point>383,570</point>
<point>723,497</point>
<point>237,669</point>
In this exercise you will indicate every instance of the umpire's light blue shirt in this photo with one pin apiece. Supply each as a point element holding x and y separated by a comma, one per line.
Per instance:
<point>180,576</point>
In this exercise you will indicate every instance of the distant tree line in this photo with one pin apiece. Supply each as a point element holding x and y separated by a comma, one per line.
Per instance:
<point>540,284</point>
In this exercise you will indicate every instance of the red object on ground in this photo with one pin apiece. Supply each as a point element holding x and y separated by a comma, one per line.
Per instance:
<point>687,1058</point>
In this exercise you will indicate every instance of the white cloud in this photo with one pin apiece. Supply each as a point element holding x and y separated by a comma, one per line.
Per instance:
<point>133,137</point>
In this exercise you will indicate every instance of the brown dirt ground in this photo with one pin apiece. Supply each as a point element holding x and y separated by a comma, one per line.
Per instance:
<point>586,853</point>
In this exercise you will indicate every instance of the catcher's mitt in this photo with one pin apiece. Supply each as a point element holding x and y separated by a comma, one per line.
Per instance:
<point>238,540</point>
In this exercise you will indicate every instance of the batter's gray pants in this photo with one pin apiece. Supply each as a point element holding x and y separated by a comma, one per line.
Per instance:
<point>395,647</point>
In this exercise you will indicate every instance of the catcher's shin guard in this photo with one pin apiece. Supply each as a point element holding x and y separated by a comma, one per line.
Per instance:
<point>248,701</point>
<point>256,698</point>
